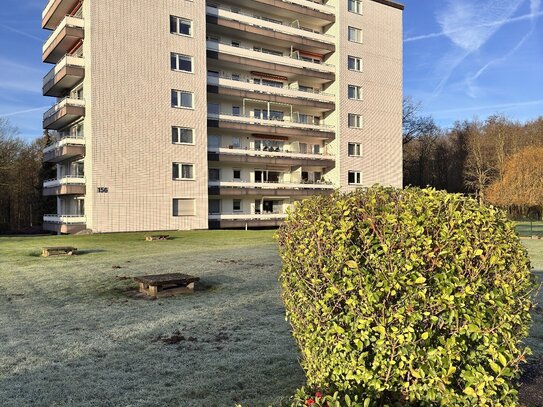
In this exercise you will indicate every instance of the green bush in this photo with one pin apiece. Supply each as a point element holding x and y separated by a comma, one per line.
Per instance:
<point>407,297</point>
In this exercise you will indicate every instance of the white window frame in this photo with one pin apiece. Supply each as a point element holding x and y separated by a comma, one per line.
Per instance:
<point>354,34</point>
<point>180,172</point>
<point>179,96</point>
<point>355,6</point>
<point>174,56</point>
<point>357,63</point>
<point>176,133</point>
<point>357,176</point>
<point>357,92</point>
<point>188,200</point>
<point>357,149</point>
<point>357,119</point>
<point>178,21</point>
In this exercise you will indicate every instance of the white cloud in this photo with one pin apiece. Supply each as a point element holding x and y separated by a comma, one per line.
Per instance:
<point>469,24</point>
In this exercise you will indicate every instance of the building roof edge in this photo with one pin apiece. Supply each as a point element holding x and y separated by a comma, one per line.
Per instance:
<point>391,4</point>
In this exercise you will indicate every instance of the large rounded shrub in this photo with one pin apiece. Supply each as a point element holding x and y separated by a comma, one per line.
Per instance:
<point>407,297</point>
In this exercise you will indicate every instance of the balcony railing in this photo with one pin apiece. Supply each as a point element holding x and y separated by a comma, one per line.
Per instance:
<point>62,104</point>
<point>280,153</point>
<point>65,180</point>
<point>65,141</point>
<point>288,123</point>
<point>250,85</point>
<point>323,8</point>
<point>65,219</point>
<point>272,185</point>
<point>68,60</point>
<point>263,56</point>
<point>246,216</point>
<point>262,22</point>
<point>69,21</point>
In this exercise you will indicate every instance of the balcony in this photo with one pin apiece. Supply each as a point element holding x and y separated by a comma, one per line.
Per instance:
<point>66,74</point>
<point>67,185</point>
<point>65,148</point>
<point>269,189</point>
<point>254,25</point>
<point>64,223</point>
<point>241,220</point>
<point>228,86</point>
<point>307,8</point>
<point>63,113</point>
<point>56,10</point>
<point>237,56</point>
<point>231,155</point>
<point>270,127</point>
<point>65,37</point>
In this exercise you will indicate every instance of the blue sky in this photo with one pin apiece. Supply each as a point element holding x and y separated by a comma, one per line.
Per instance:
<point>463,59</point>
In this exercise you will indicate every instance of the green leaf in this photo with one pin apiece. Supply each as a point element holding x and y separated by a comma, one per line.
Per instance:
<point>367,402</point>
<point>470,392</point>
<point>502,360</point>
<point>351,264</point>
<point>424,336</point>
<point>495,367</point>
<point>420,280</point>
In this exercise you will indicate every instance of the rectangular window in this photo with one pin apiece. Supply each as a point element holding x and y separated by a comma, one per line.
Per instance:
<point>355,6</point>
<point>355,149</point>
<point>213,141</point>
<point>355,178</point>
<point>355,34</point>
<point>183,207</point>
<point>182,135</point>
<point>355,121</point>
<point>236,111</point>
<point>236,205</point>
<point>182,99</point>
<point>181,62</point>
<point>182,171</point>
<point>237,175</point>
<point>355,92</point>
<point>214,206</point>
<point>214,174</point>
<point>180,26</point>
<point>355,64</point>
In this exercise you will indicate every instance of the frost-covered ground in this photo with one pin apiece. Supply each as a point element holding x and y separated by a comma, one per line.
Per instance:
<point>73,332</point>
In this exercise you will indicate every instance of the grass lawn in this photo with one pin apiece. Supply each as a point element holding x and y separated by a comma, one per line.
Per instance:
<point>73,332</point>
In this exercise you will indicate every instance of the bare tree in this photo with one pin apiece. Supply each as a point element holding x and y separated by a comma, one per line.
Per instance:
<point>414,125</point>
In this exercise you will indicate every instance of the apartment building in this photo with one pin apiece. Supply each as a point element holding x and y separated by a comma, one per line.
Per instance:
<point>187,114</point>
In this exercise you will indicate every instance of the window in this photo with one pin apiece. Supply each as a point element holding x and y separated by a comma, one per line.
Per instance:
<point>355,149</point>
<point>235,44</point>
<point>180,26</point>
<point>355,121</point>
<point>237,175</point>
<point>236,111</point>
<point>214,206</point>
<point>183,207</point>
<point>236,205</point>
<point>355,178</point>
<point>213,141</point>
<point>182,135</point>
<point>181,62</point>
<point>355,34</point>
<point>355,92</point>
<point>183,171</point>
<point>316,149</point>
<point>182,99</point>
<point>236,142</point>
<point>355,6</point>
<point>355,64</point>
<point>214,174</point>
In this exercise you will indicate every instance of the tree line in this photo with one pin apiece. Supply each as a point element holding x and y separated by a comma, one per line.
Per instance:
<point>498,160</point>
<point>21,178</point>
